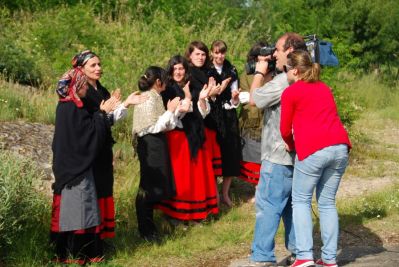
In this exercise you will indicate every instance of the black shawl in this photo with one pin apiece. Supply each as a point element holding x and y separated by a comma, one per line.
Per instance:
<point>193,125</point>
<point>78,137</point>
<point>103,170</point>
<point>216,116</point>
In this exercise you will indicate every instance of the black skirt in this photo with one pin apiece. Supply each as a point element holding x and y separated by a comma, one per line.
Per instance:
<point>156,177</point>
<point>230,144</point>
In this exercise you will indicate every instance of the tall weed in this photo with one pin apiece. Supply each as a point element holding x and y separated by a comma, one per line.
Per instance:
<point>23,211</point>
<point>376,96</point>
<point>26,103</point>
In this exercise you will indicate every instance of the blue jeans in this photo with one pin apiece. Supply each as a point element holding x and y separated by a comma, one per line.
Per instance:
<point>273,202</point>
<point>321,170</point>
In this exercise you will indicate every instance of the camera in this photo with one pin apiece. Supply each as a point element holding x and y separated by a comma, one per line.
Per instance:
<point>263,51</point>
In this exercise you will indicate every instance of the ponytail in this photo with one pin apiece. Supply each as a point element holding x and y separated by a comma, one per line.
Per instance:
<point>302,61</point>
<point>152,74</point>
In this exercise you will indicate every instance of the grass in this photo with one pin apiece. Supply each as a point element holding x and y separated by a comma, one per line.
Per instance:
<point>26,103</point>
<point>24,212</point>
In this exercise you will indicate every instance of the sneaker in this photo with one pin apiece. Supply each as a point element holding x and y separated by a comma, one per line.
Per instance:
<point>290,259</point>
<point>303,263</point>
<point>320,263</point>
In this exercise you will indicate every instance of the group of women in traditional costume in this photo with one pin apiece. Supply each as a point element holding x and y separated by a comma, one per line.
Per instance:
<point>185,133</point>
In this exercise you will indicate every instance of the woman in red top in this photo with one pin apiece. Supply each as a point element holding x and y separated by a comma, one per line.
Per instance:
<point>310,125</point>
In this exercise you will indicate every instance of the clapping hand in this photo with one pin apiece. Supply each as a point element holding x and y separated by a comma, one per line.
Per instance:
<point>134,99</point>
<point>117,94</point>
<point>186,90</point>
<point>235,96</point>
<point>204,92</point>
<point>224,84</point>
<point>184,106</point>
<point>214,89</point>
<point>109,105</point>
<point>172,104</point>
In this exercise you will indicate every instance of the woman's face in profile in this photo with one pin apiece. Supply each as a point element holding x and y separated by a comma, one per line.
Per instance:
<point>198,57</point>
<point>92,69</point>
<point>178,72</point>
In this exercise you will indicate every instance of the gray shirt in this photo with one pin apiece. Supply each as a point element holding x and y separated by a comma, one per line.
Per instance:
<point>268,98</point>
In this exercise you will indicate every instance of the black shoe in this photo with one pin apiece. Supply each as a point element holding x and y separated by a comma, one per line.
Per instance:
<point>290,259</point>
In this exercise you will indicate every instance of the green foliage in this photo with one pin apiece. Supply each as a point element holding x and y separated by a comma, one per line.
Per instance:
<point>15,62</point>
<point>30,104</point>
<point>22,207</point>
<point>363,31</point>
<point>373,206</point>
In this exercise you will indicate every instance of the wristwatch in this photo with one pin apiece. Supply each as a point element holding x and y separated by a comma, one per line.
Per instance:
<point>258,72</point>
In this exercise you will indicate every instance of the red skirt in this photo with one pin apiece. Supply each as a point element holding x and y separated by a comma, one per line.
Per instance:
<point>195,181</point>
<point>107,215</point>
<point>212,147</point>
<point>250,172</point>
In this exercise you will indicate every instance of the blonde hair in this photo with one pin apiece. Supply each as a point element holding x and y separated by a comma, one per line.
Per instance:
<point>302,61</point>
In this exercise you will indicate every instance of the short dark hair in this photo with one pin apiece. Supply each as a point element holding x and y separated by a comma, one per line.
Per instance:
<point>254,51</point>
<point>294,40</point>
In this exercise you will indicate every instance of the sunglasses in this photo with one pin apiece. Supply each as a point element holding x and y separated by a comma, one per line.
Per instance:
<point>287,68</point>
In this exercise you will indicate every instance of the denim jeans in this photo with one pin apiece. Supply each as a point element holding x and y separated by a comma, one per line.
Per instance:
<point>321,170</point>
<point>273,202</point>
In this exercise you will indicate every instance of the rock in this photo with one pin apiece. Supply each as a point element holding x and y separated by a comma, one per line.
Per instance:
<point>32,141</point>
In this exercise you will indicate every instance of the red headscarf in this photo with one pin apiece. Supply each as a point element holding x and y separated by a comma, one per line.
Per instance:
<point>70,84</point>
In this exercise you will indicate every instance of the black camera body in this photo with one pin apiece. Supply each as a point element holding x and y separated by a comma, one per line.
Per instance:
<point>250,66</point>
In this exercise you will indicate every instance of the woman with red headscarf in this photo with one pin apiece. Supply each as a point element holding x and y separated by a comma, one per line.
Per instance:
<point>103,169</point>
<point>78,138</point>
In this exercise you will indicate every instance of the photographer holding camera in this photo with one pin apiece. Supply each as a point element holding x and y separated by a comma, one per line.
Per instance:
<point>251,118</point>
<point>273,193</point>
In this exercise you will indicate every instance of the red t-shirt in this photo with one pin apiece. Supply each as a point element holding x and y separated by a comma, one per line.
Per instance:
<point>309,116</point>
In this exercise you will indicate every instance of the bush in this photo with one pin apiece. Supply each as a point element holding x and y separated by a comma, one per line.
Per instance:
<point>15,62</point>
<point>22,207</point>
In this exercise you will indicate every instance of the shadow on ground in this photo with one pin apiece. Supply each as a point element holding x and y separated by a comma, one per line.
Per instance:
<point>356,241</point>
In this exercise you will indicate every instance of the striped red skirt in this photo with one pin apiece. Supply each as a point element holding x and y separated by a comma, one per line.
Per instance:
<point>195,182</point>
<point>250,172</point>
<point>212,147</point>
<point>107,215</point>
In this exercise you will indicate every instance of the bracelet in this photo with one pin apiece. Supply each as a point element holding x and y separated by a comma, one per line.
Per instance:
<point>258,72</point>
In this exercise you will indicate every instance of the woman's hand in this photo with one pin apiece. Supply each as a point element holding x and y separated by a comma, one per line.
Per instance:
<point>172,104</point>
<point>109,105</point>
<point>184,106</point>
<point>212,87</point>
<point>134,99</point>
<point>234,96</point>
<point>186,90</point>
<point>224,84</point>
<point>204,92</point>
<point>117,94</point>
